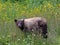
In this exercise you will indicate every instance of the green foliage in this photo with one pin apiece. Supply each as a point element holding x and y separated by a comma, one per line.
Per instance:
<point>17,9</point>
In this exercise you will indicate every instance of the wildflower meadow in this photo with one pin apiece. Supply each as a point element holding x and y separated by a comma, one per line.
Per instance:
<point>18,9</point>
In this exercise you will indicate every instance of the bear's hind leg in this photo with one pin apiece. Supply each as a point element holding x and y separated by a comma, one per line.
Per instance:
<point>44,31</point>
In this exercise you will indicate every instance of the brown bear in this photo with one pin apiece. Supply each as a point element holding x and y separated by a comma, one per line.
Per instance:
<point>37,24</point>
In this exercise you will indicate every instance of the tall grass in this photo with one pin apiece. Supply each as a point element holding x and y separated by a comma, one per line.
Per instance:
<point>11,9</point>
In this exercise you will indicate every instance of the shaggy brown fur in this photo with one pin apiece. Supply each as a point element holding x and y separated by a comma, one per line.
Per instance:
<point>35,24</point>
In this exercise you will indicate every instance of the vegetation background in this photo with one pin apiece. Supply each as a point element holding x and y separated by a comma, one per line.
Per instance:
<point>11,9</point>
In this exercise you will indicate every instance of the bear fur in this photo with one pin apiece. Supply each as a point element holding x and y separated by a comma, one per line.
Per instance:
<point>37,24</point>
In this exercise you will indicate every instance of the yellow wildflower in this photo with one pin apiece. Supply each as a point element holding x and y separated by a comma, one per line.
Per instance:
<point>49,5</point>
<point>44,8</point>
<point>1,7</point>
<point>59,5</point>
<point>36,10</point>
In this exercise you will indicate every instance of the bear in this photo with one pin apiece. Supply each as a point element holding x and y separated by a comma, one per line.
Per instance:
<point>37,24</point>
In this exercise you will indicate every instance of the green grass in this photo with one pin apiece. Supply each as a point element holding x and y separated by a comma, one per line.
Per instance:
<point>11,35</point>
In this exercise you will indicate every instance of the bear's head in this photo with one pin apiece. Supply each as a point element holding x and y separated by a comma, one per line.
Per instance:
<point>19,23</point>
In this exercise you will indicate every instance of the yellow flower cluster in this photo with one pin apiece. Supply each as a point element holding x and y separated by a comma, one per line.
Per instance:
<point>44,8</point>
<point>36,10</point>
<point>59,5</point>
<point>49,5</point>
<point>1,6</point>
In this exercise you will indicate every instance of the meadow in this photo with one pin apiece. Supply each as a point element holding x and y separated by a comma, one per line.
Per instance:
<point>17,9</point>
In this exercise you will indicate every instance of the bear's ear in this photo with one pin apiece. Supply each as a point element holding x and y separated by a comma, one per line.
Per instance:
<point>15,20</point>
